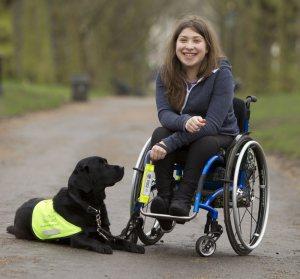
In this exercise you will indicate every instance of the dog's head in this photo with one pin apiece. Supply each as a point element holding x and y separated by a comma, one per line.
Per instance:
<point>91,176</point>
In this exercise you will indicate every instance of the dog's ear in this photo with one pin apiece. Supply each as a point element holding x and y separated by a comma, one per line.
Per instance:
<point>102,161</point>
<point>76,181</point>
<point>79,179</point>
<point>84,168</point>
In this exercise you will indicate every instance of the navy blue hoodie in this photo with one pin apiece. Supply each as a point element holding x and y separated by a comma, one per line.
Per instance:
<point>211,98</point>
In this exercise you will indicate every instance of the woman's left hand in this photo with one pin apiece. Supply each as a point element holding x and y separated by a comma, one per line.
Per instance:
<point>157,152</point>
<point>194,124</point>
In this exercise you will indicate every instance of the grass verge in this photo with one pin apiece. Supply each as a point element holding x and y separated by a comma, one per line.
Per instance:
<point>275,123</point>
<point>20,98</point>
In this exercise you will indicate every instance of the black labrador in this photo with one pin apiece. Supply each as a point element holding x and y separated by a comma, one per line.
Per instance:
<point>80,204</point>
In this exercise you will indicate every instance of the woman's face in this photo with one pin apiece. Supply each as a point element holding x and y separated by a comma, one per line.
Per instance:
<point>190,48</point>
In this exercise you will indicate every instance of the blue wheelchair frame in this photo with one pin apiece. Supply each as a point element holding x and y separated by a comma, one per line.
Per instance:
<point>206,205</point>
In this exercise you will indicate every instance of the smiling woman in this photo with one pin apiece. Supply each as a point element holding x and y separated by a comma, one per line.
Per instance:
<point>193,52</point>
<point>190,51</point>
<point>194,98</point>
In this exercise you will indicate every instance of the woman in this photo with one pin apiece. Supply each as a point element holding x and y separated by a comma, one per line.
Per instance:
<point>194,98</point>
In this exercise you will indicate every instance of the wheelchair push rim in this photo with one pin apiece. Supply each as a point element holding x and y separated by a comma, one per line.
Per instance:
<point>250,221</point>
<point>149,232</point>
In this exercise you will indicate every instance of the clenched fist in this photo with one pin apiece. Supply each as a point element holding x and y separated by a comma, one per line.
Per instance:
<point>157,152</point>
<point>194,124</point>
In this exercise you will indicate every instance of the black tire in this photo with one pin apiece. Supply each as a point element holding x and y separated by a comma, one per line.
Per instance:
<point>246,158</point>
<point>205,246</point>
<point>149,231</point>
<point>132,237</point>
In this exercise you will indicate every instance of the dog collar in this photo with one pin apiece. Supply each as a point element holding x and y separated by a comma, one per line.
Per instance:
<point>88,208</point>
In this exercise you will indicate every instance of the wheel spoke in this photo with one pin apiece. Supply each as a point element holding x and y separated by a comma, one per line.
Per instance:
<point>243,215</point>
<point>253,180</point>
<point>144,222</point>
<point>251,215</point>
<point>240,221</point>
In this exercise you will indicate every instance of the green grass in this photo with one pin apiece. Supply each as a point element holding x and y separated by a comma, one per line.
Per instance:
<point>20,98</point>
<point>275,123</point>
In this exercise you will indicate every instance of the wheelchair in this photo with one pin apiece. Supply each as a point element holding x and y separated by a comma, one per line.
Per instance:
<point>235,180</point>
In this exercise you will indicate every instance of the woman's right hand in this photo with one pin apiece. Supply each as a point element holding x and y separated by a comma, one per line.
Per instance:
<point>194,124</point>
<point>157,152</point>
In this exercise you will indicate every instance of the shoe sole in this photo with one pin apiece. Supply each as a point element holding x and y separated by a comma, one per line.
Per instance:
<point>178,212</point>
<point>166,225</point>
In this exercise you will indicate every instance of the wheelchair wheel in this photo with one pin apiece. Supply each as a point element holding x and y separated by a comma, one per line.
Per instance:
<point>205,246</point>
<point>246,199</point>
<point>246,207</point>
<point>149,231</point>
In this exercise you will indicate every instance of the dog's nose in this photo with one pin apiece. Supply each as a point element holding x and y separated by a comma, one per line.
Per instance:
<point>118,168</point>
<point>121,170</point>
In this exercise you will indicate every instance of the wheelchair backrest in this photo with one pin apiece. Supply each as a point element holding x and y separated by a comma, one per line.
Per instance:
<point>240,112</point>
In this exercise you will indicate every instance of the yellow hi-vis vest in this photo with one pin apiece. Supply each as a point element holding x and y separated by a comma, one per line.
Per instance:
<point>47,224</point>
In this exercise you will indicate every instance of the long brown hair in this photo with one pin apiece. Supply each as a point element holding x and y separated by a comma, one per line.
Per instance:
<point>172,73</point>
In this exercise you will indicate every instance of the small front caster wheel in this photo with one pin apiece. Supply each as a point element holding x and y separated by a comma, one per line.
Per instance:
<point>205,246</point>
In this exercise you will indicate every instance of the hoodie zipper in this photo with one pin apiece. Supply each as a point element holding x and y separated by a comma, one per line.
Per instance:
<point>188,91</point>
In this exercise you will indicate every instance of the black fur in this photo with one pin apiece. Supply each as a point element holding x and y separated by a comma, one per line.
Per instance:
<point>87,183</point>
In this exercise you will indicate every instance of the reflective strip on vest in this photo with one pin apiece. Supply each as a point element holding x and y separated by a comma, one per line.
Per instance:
<point>47,224</point>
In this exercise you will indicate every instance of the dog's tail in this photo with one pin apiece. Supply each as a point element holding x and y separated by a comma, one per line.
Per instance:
<point>10,229</point>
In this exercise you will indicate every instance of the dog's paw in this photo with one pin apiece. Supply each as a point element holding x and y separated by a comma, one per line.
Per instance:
<point>104,249</point>
<point>134,248</point>
<point>140,249</point>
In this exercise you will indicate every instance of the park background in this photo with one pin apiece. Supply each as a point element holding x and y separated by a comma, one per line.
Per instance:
<point>119,45</point>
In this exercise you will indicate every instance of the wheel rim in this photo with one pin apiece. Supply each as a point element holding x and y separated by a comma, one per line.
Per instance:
<point>150,225</point>
<point>207,246</point>
<point>250,222</point>
<point>149,233</point>
<point>136,178</point>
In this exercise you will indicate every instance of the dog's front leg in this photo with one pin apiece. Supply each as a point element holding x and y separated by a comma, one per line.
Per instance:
<point>121,244</point>
<point>104,218</point>
<point>84,242</point>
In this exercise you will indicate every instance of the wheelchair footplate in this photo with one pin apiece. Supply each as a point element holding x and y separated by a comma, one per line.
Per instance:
<point>169,217</point>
